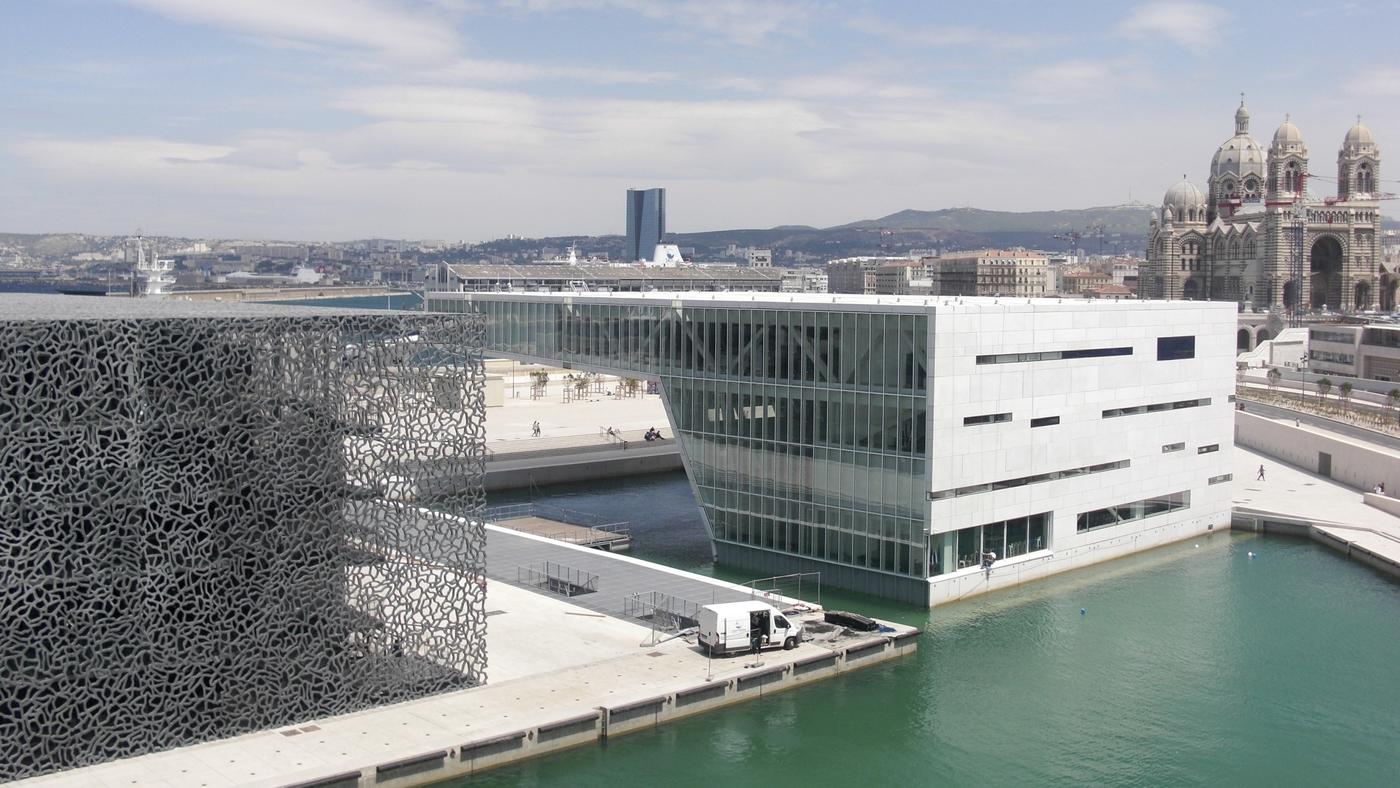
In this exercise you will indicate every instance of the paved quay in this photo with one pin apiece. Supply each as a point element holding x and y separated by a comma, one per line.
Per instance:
<point>561,673</point>
<point>1292,500</point>
<point>574,442</point>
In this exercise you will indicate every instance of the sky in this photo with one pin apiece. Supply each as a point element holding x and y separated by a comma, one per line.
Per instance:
<point>324,120</point>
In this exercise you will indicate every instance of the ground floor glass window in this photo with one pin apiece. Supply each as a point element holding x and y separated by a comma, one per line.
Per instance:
<point>954,550</point>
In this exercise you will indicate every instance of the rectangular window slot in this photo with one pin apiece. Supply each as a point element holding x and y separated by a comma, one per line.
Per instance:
<point>1156,407</point>
<point>1175,348</point>
<point>987,418</point>
<point>1222,478</point>
<point>1208,449</point>
<point>1045,421</point>
<point>1054,355</point>
<point>1168,448</point>
<point>1004,484</point>
<point>1133,510</point>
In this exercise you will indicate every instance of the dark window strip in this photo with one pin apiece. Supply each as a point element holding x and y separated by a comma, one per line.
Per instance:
<point>1156,407</point>
<point>1006,484</point>
<point>1133,510</point>
<point>1054,355</point>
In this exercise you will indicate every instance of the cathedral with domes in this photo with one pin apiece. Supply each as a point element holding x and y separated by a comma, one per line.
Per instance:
<point>1258,218</point>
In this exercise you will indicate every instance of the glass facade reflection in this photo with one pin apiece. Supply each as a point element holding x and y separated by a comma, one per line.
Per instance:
<point>803,429</point>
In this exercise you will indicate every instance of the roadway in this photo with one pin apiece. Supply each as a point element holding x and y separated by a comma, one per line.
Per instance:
<point>1323,423</point>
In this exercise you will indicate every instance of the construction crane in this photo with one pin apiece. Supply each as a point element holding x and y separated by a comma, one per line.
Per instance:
<point>1073,237</point>
<point>1096,230</point>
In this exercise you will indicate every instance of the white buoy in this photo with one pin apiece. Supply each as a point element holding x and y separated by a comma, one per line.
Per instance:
<point>1251,553</point>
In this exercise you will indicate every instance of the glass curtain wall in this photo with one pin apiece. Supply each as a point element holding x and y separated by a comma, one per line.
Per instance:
<point>804,428</point>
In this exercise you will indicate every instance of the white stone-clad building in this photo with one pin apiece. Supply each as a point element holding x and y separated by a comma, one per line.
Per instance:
<point>888,442</point>
<point>1236,240</point>
<point>1126,406</point>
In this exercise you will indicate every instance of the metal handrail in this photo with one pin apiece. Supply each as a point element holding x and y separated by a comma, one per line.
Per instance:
<point>557,578</point>
<point>812,579</point>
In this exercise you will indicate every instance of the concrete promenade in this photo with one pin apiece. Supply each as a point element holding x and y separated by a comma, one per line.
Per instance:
<point>562,673</point>
<point>573,445</point>
<point>1292,500</point>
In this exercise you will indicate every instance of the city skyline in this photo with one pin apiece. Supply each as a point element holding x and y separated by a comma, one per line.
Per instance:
<point>460,120</point>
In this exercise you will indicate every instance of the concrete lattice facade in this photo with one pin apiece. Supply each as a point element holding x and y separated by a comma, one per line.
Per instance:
<point>210,520</point>
<point>1239,240</point>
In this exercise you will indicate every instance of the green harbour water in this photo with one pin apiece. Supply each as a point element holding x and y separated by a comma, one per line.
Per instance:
<point>1193,664</point>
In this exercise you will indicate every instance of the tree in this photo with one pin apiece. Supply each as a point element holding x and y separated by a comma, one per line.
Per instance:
<point>1392,398</point>
<point>1344,393</point>
<point>581,384</point>
<point>1324,385</point>
<point>1274,377</point>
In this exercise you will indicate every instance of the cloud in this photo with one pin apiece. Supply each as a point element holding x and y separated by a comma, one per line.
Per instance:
<point>849,86</point>
<point>943,36</point>
<point>1376,83</point>
<point>395,29</point>
<point>1076,81</point>
<point>746,22</point>
<point>1193,26</point>
<point>479,70</point>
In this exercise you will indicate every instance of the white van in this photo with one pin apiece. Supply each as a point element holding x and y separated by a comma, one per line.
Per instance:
<point>733,626</point>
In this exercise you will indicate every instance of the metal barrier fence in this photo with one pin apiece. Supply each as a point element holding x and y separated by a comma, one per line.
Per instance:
<point>662,610</point>
<point>596,530</point>
<point>549,512</point>
<point>557,578</point>
<point>792,586</point>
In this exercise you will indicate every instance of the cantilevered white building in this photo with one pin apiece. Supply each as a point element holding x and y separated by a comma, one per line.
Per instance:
<point>891,442</point>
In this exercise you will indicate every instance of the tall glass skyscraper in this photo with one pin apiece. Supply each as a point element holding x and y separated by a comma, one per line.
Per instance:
<point>646,222</point>
<point>899,444</point>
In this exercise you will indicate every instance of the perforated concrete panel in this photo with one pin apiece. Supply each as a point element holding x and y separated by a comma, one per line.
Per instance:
<point>215,520</point>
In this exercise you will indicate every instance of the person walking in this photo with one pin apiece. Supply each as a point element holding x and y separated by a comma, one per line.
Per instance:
<point>1260,477</point>
<point>535,430</point>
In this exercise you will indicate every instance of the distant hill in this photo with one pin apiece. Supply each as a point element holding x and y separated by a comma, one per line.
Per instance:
<point>1124,230</point>
<point>1123,219</point>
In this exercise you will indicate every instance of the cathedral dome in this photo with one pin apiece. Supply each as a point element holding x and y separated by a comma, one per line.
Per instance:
<point>1184,202</point>
<point>1288,136</point>
<point>1359,140</point>
<point>1240,155</point>
<point>1359,135</point>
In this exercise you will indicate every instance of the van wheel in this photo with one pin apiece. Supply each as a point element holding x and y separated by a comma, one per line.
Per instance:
<point>789,644</point>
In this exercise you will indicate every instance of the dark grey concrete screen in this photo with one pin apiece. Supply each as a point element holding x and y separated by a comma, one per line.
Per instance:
<point>211,522</point>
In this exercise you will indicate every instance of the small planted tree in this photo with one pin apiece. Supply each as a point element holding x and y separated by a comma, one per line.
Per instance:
<point>1344,393</point>
<point>581,384</point>
<point>1274,377</point>
<point>1324,387</point>
<point>1392,398</point>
